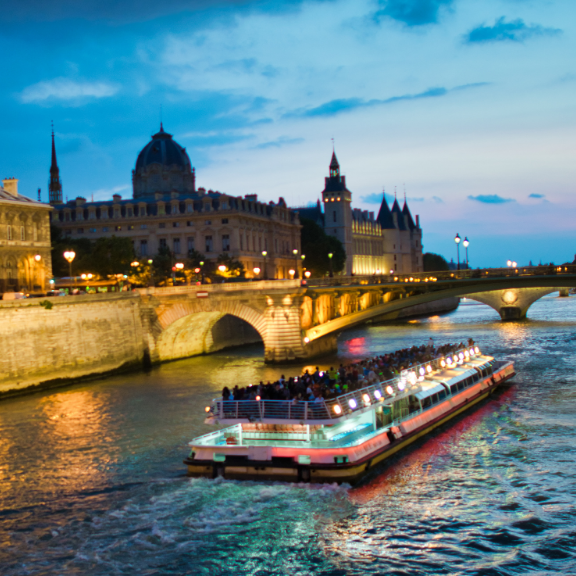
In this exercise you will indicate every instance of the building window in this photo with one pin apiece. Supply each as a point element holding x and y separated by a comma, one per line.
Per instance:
<point>162,225</point>
<point>190,244</point>
<point>105,229</point>
<point>225,242</point>
<point>190,208</point>
<point>93,230</point>
<point>143,247</point>
<point>224,220</point>
<point>175,224</point>
<point>162,244</point>
<point>176,244</point>
<point>80,231</point>
<point>118,228</point>
<point>241,241</point>
<point>208,243</point>
<point>143,226</point>
<point>9,232</point>
<point>189,223</point>
<point>207,207</point>
<point>208,222</point>
<point>334,215</point>
<point>35,232</point>
<point>131,227</point>
<point>130,213</point>
<point>22,233</point>
<point>117,213</point>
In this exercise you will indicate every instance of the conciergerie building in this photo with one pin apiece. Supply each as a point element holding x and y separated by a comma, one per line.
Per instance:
<point>167,210</point>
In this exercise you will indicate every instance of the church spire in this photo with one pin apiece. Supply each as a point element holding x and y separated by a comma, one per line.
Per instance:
<point>54,184</point>
<point>334,166</point>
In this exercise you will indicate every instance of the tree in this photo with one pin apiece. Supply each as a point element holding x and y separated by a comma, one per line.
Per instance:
<point>234,268</point>
<point>111,256</point>
<point>316,245</point>
<point>81,246</point>
<point>162,266</point>
<point>434,262</point>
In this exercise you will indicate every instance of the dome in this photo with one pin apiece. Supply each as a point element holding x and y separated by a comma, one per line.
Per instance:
<point>163,150</point>
<point>163,166</point>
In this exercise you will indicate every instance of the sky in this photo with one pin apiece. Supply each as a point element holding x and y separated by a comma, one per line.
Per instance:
<point>467,107</point>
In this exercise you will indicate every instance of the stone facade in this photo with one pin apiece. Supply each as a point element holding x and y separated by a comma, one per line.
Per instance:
<point>168,211</point>
<point>25,260</point>
<point>390,242</point>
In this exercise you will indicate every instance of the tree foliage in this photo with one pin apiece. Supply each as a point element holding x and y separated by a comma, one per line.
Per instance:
<point>434,262</point>
<point>316,245</point>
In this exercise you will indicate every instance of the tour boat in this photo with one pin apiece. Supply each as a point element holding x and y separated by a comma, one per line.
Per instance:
<point>340,439</point>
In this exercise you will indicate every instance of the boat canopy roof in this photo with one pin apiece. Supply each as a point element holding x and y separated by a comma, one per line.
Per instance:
<point>450,377</point>
<point>428,389</point>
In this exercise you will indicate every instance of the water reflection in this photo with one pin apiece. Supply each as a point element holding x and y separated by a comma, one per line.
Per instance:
<point>94,482</point>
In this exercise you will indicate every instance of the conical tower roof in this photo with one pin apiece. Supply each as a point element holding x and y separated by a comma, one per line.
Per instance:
<point>406,212</point>
<point>385,218</point>
<point>396,209</point>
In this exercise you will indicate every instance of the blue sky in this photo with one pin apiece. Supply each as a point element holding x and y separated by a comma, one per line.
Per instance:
<point>468,106</point>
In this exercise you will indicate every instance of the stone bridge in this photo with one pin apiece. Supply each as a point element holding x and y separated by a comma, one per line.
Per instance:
<point>296,321</point>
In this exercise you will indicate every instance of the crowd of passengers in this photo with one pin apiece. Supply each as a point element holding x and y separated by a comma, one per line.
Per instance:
<point>321,385</point>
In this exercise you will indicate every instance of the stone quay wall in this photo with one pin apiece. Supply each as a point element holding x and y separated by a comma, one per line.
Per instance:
<point>67,339</point>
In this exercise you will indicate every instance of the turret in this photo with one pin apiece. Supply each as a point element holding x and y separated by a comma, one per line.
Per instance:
<point>54,184</point>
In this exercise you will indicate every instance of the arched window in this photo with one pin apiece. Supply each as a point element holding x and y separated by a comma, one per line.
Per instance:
<point>9,232</point>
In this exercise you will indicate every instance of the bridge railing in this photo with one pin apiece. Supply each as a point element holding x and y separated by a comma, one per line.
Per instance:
<point>344,404</point>
<point>431,277</point>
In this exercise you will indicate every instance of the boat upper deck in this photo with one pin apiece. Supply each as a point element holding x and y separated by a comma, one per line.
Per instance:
<point>420,381</point>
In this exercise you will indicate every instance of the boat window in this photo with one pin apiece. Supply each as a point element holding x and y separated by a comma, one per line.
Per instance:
<point>426,403</point>
<point>441,395</point>
<point>434,399</point>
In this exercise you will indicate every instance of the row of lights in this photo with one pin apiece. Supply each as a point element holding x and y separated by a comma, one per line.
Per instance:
<point>449,362</point>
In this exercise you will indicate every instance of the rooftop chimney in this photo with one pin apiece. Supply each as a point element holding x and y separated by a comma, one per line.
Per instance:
<point>10,185</point>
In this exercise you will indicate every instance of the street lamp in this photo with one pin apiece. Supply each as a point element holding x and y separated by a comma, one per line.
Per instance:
<point>222,268</point>
<point>307,273</point>
<point>264,253</point>
<point>37,259</point>
<point>291,272</point>
<point>457,240</point>
<point>295,252</point>
<point>509,263</point>
<point>201,272</point>
<point>69,255</point>
<point>330,260</point>
<point>466,243</point>
<point>256,271</point>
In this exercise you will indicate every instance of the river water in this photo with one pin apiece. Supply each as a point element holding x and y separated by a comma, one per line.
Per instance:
<point>92,480</point>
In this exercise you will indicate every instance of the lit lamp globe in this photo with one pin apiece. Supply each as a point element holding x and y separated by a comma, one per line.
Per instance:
<point>307,273</point>
<point>179,266</point>
<point>37,257</point>
<point>222,268</point>
<point>256,271</point>
<point>291,272</point>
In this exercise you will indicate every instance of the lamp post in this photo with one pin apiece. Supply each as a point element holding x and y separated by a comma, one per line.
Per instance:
<point>37,259</point>
<point>295,252</point>
<point>256,271</point>
<point>202,272</point>
<point>330,255</point>
<point>69,255</point>
<point>179,267</point>
<point>457,240</point>
<point>264,253</point>
<point>466,243</point>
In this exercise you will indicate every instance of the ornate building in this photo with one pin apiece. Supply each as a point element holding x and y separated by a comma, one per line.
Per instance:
<point>25,262</point>
<point>167,211</point>
<point>392,241</point>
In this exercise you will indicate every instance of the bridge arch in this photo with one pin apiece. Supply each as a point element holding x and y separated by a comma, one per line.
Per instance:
<point>192,328</point>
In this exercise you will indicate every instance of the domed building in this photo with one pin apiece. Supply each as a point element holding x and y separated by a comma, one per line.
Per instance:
<point>167,211</point>
<point>163,166</point>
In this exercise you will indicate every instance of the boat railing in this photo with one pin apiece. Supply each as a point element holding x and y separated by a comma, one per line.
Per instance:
<point>383,392</point>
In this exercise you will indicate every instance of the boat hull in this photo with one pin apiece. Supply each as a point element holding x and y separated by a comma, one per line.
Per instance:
<point>289,471</point>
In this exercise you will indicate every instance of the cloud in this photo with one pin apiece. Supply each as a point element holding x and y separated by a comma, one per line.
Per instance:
<point>136,10</point>
<point>338,106</point>
<point>437,199</point>
<point>374,198</point>
<point>66,89</point>
<point>535,195</point>
<point>412,199</point>
<point>282,141</point>
<point>490,199</point>
<point>106,193</point>
<point>411,12</point>
<point>514,31</point>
